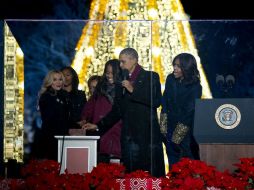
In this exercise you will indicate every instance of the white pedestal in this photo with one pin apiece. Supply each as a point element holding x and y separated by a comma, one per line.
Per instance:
<point>78,154</point>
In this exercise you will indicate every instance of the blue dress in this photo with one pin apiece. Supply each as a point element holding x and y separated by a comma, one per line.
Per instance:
<point>178,102</point>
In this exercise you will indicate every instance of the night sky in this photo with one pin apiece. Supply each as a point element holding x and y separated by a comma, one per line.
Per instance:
<point>46,9</point>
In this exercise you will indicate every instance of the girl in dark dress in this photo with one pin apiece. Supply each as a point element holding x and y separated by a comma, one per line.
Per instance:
<point>92,83</point>
<point>76,98</point>
<point>181,90</point>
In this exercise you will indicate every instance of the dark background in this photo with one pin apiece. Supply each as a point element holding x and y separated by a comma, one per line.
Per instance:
<point>73,9</point>
<point>44,9</point>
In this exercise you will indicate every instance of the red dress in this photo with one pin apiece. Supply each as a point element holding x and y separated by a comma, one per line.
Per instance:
<point>94,110</point>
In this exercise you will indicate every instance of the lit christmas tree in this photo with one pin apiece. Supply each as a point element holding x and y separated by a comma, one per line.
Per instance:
<point>158,30</point>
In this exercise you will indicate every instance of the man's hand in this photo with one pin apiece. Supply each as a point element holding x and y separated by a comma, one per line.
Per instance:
<point>81,123</point>
<point>126,84</point>
<point>90,126</point>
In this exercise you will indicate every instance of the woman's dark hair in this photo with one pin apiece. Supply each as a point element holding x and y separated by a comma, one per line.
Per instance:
<point>75,79</point>
<point>92,78</point>
<point>117,76</point>
<point>188,65</point>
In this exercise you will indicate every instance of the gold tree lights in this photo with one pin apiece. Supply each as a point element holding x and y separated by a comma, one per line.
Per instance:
<point>157,29</point>
<point>13,98</point>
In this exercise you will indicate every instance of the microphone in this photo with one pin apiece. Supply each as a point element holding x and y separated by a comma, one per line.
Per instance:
<point>125,76</point>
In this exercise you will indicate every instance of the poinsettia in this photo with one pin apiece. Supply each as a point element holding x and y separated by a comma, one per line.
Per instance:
<point>37,167</point>
<point>186,174</point>
<point>195,174</point>
<point>245,171</point>
<point>104,176</point>
<point>44,174</point>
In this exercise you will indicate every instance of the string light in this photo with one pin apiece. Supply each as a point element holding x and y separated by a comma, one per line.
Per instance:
<point>157,29</point>
<point>13,98</point>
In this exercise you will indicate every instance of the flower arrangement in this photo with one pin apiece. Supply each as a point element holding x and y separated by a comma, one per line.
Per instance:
<point>186,174</point>
<point>194,174</point>
<point>104,177</point>
<point>245,171</point>
<point>44,174</point>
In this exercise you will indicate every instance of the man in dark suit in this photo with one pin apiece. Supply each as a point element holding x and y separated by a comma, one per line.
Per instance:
<point>136,103</point>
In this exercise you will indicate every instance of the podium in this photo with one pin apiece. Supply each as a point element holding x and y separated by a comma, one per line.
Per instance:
<point>77,154</point>
<point>224,130</point>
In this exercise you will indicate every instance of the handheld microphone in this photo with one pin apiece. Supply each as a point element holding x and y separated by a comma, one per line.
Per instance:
<point>125,76</point>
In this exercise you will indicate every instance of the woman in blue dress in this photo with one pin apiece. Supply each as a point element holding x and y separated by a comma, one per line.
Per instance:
<point>178,105</point>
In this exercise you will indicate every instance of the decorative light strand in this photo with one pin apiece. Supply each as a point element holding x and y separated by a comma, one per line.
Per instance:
<point>13,98</point>
<point>169,34</point>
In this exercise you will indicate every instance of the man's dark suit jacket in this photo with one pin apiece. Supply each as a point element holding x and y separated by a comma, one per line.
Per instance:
<point>141,140</point>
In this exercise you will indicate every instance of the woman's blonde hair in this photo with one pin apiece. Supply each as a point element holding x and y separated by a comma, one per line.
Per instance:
<point>48,80</point>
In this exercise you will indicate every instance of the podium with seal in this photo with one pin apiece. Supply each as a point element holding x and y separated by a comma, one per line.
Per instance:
<point>77,154</point>
<point>224,130</point>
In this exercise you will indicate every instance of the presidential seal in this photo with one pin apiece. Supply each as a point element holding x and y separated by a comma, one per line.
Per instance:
<point>228,116</point>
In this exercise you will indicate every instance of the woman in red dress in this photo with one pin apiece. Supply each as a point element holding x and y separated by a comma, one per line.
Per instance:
<point>99,105</point>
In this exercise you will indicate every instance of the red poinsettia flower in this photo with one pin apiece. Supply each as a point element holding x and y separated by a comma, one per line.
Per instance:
<point>245,171</point>
<point>186,174</point>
